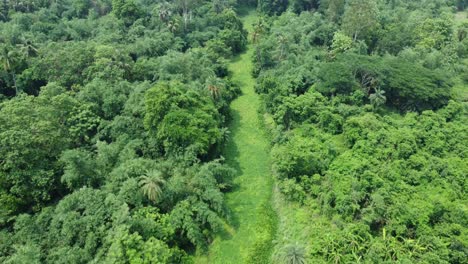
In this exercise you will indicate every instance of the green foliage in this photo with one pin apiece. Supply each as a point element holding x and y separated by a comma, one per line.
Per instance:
<point>104,98</point>
<point>132,248</point>
<point>232,34</point>
<point>151,185</point>
<point>360,18</point>
<point>61,63</point>
<point>78,181</point>
<point>304,5</point>
<point>80,169</point>
<point>341,43</point>
<point>411,86</point>
<point>336,77</point>
<point>303,156</point>
<point>272,7</point>
<point>262,247</point>
<point>378,98</point>
<point>383,185</point>
<point>408,86</point>
<point>127,10</point>
<point>26,254</point>
<point>434,33</point>
<point>335,9</point>
<point>182,117</point>
<point>113,116</point>
<point>367,149</point>
<point>291,254</point>
<point>248,235</point>
<point>82,123</point>
<point>33,135</point>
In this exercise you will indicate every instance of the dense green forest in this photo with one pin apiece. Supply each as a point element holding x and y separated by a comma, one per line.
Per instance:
<point>118,142</point>
<point>112,119</point>
<point>368,108</point>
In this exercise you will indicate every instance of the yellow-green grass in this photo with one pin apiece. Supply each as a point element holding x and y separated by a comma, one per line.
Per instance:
<point>248,152</point>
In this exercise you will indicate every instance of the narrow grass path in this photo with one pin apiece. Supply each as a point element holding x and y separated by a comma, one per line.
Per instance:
<point>248,152</point>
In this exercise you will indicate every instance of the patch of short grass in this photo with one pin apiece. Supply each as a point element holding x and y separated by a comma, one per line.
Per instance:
<point>253,221</point>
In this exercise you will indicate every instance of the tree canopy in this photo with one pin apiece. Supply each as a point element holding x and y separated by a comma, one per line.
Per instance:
<point>114,116</point>
<point>112,119</point>
<point>368,132</point>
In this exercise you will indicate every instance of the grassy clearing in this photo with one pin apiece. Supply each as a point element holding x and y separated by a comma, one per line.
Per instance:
<point>247,237</point>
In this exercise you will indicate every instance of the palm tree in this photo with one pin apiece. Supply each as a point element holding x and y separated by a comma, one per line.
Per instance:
<point>164,12</point>
<point>291,254</point>
<point>151,185</point>
<point>173,26</point>
<point>283,45</point>
<point>27,48</point>
<point>258,30</point>
<point>5,58</point>
<point>214,86</point>
<point>378,98</point>
<point>8,59</point>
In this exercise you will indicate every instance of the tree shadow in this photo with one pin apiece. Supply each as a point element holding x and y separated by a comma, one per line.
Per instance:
<point>231,154</point>
<point>231,151</point>
<point>244,10</point>
<point>236,59</point>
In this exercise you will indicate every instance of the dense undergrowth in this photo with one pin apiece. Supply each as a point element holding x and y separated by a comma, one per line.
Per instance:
<point>113,115</point>
<point>369,138</point>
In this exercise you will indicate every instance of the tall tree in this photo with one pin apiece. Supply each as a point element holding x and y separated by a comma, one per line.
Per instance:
<point>283,46</point>
<point>259,29</point>
<point>335,9</point>
<point>185,7</point>
<point>360,18</point>
<point>127,10</point>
